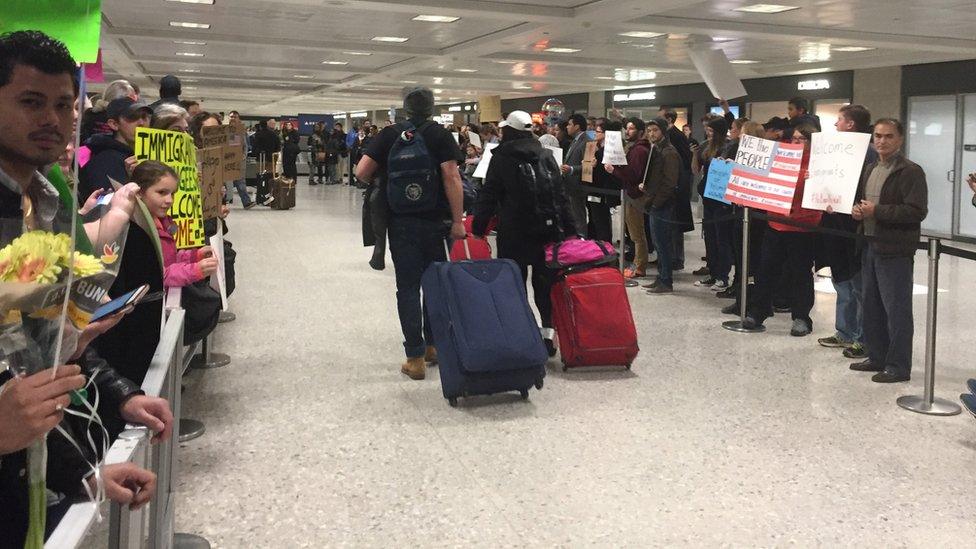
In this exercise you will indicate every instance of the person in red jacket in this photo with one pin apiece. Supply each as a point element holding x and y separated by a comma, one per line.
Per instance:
<point>791,249</point>
<point>157,183</point>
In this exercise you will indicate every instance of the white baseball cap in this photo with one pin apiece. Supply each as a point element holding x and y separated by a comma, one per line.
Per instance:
<point>518,120</point>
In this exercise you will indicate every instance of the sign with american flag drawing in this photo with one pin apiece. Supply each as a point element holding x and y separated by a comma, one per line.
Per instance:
<point>765,175</point>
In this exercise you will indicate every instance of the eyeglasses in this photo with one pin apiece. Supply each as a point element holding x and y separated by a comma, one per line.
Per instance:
<point>800,139</point>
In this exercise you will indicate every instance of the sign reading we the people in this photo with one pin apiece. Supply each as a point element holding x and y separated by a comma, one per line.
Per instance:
<point>765,175</point>
<point>177,150</point>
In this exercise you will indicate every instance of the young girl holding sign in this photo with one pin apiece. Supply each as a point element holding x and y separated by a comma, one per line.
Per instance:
<point>157,183</point>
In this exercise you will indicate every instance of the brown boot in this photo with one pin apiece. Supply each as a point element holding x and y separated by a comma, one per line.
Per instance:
<point>431,356</point>
<point>415,368</point>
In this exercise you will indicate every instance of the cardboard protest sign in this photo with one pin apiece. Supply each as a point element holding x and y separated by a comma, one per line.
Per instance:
<point>218,280</point>
<point>77,23</point>
<point>613,149</point>
<point>475,139</point>
<point>482,170</point>
<point>215,136</point>
<point>589,160</point>
<point>177,150</point>
<point>718,73</point>
<point>211,180</point>
<point>719,172</point>
<point>233,162</point>
<point>765,174</point>
<point>490,107</point>
<point>836,161</point>
<point>557,152</point>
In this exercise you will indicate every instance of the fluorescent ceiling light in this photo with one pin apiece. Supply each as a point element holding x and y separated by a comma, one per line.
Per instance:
<point>189,70</point>
<point>722,39</point>
<point>187,25</point>
<point>210,2</point>
<point>562,50</point>
<point>189,87</point>
<point>766,8</point>
<point>814,52</point>
<point>438,80</point>
<point>437,90</point>
<point>436,18</point>
<point>190,42</point>
<point>302,76</point>
<point>853,48</point>
<point>183,80</point>
<point>814,71</point>
<point>642,34</point>
<point>466,70</point>
<point>604,78</point>
<point>356,53</point>
<point>743,62</point>
<point>335,62</point>
<point>397,39</point>
<point>408,81</point>
<point>633,75</point>
<point>677,36</point>
<point>189,54</point>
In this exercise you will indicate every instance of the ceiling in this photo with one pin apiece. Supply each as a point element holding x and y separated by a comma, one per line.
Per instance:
<point>268,56</point>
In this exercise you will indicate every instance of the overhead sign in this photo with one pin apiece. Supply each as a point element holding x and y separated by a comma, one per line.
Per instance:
<point>765,174</point>
<point>639,96</point>
<point>836,160</point>
<point>820,84</point>
<point>177,150</point>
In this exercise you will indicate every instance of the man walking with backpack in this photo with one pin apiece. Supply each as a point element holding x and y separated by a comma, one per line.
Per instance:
<point>417,162</point>
<point>524,186</point>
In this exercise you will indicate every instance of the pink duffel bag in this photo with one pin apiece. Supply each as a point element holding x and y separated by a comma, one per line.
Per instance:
<point>576,252</point>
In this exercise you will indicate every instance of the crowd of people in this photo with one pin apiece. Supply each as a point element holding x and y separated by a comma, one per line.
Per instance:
<point>869,253</point>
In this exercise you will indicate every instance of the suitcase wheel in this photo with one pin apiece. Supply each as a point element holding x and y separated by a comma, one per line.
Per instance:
<point>452,401</point>
<point>525,394</point>
<point>628,366</point>
<point>565,368</point>
<point>539,383</point>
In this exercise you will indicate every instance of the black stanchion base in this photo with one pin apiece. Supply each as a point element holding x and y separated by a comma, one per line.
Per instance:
<point>217,360</point>
<point>938,407</point>
<point>190,541</point>
<point>190,429</point>
<point>736,326</point>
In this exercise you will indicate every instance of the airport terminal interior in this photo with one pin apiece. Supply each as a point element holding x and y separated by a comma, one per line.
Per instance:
<point>296,421</point>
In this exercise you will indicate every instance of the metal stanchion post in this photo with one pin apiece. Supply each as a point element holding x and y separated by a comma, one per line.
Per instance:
<point>207,360</point>
<point>739,325</point>
<point>927,403</point>
<point>628,282</point>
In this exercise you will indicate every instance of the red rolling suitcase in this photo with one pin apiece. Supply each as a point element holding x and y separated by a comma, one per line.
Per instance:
<point>593,320</point>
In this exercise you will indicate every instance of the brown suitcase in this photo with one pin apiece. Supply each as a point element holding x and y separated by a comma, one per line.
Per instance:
<point>282,189</point>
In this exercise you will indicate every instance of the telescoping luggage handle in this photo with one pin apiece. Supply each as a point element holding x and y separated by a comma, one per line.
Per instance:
<point>467,249</point>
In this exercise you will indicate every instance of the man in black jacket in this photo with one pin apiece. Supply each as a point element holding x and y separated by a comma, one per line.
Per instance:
<point>683,219</point>
<point>170,89</point>
<point>572,169</point>
<point>265,143</point>
<point>659,186</point>
<point>109,151</point>
<point>522,235</point>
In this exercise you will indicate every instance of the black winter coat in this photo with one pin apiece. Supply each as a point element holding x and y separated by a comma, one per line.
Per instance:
<point>505,195</point>
<point>107,160</point>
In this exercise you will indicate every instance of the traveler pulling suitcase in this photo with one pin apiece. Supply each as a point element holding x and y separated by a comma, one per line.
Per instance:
<point>485,334</point>
<point>593,320</point>
<point>282,188</point>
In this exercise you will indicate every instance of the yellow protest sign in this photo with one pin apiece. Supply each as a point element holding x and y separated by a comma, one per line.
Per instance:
<point>177,150</point>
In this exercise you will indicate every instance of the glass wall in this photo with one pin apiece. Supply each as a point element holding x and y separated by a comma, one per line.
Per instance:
<point>932,145</point>
<point>967,212</point>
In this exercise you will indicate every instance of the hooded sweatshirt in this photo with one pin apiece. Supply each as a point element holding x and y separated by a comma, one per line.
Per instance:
<point>180,267</point>
<point>632,175</point>
<point>107,160</point>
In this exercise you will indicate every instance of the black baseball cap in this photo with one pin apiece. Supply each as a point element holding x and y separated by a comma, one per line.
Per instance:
<point>777,123</point>
<point>126,107</point>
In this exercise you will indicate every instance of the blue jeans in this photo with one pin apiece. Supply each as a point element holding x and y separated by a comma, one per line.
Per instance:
<point>848,318</point>
<point>888,322</point>
<point>659,221</point>
<point>241,190</point>
<point>415,243</point>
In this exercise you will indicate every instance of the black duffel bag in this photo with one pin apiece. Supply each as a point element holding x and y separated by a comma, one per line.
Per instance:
<point>202,306</point>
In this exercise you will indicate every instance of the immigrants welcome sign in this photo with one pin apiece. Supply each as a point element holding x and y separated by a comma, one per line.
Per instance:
<point>177,150</point>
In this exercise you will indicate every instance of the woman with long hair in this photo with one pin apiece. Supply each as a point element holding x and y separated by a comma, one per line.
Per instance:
<point>718,239</point>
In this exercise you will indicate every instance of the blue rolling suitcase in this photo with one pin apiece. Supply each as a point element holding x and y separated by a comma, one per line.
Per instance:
<point>485,334</point>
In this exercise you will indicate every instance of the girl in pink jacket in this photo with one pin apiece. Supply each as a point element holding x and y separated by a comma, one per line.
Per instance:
<point>157,183</point>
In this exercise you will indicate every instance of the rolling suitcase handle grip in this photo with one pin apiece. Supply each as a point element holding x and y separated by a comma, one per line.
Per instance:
<point>467,250</point>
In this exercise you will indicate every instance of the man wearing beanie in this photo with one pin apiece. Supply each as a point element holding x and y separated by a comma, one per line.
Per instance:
<point>417,238</point>
<point>659,187</point>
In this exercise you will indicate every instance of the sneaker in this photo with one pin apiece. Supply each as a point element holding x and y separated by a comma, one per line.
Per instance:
<point>430,357</point>
<point>550,347</point>
<point>890,377</point>
<point>971,385</point>
<point>866,366</point>
<point>249,205</point>
<point>720,286</point>
<point>732,309</point>
<point>660,289</point>
<point>834,342</point>
<point>703,271</point>
<point>415,368</point>
<point>800,328</point>
<point>728,293</point>
<point>705,282</point>
<point>856,351</point>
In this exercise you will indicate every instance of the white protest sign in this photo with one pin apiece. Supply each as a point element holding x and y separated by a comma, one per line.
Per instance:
<point>718,73</point>
<point>613,149</point>
<point>218,280</point>
<point>836,160</point>
<point>755,152</point>
<point>556,152</point>
<point>482,170</point>
<point>475,139</point>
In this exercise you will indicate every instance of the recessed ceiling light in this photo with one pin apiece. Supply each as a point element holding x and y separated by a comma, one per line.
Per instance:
<point>283,85</point>
<point>189,54</point>
<point>408,81</point>
<point>814,71</point>
<point>853,48</point>
<point>356,53</point>
<point>302,76</point>
<point>189,87</point>
<point>438,80</point>
<point>766,8</point>
<point>743,62</point>
<point>397,39</point>
<point>187,25</point>
<point>562,50</point>
<point>335,62</point>
<point>814,52</point>
<point>466,70</point>
<point>604,78</point>
<point>437,90</point>
<point>193,1</point>
<point>722,39</point>
<point>642,34</point>
<point>436,18</point>
<point>189,70</point>
<point>184,80</point>
<point>677,36</point>
<point>190,42</point>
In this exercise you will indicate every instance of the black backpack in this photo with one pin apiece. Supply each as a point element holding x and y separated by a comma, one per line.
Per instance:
<point>413,182</point>
<point>540,178</point>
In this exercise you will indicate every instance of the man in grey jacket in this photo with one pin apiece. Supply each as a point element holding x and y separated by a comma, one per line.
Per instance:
<point>892,202</point>
<point>572,169</point>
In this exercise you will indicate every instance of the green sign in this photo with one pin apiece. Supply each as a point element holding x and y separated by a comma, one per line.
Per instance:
<point>77,23</point>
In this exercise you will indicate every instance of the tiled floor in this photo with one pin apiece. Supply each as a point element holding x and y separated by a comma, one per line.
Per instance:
<point>314,438</point>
